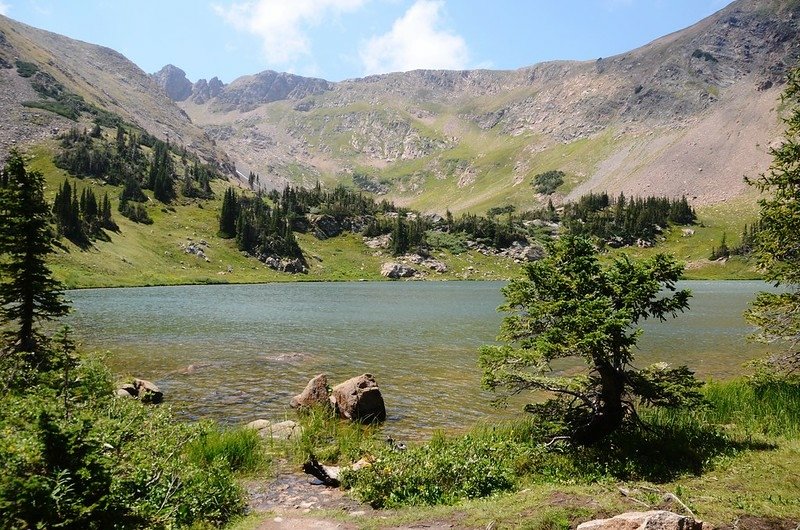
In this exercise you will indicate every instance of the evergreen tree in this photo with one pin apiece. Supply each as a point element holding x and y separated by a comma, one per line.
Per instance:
<point>28,292</point>
<point>777,315</point>
<point>570,305</point>
<point>228,214</point>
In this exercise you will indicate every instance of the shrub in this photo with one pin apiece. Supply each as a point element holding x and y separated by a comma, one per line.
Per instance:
<point>443,471</point>
<point>546,183</point>
<point>455,242</point>
<point>93,461</point>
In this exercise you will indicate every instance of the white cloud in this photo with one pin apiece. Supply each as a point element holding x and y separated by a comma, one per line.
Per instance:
<point>417,40</point>
<point>283,25</point>
<point>4,8</point>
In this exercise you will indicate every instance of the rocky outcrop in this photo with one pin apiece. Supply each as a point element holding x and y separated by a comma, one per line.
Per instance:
<point>396,270</point>
<point>173,82</point>
<point>359,399</point>
<point>429,262</point>
<point>290,265</point>
<point>314,394</point>
<point>521,252</point>
<point>325,226</point>
<point>652,520</point>
<point>203,90</point>
<point>247,92</point>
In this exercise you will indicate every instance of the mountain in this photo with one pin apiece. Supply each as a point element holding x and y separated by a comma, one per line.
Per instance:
<point>688,114</point>
<point>49,82</point>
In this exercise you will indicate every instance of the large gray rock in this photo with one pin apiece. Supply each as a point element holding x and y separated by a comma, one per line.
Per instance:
<point>359,399</point>
<point>314,394</point>
<point>652,520</point>
<point>325,226</point>
<point>397,270</point>
<point>173,82</point>
<point>148,392</point>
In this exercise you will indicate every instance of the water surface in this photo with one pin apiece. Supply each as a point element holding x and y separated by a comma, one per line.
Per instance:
<point>238,353</point>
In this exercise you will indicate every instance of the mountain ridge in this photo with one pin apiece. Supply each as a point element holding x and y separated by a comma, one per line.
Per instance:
<point>395,126</point>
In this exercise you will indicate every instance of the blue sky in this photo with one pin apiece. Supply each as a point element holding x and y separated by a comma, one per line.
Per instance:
<point>340,39</point>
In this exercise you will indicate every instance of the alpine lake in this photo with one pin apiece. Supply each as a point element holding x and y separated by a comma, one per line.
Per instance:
<point>236,353</point>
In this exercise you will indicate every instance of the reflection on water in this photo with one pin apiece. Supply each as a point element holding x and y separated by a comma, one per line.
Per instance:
<point>237,353</point>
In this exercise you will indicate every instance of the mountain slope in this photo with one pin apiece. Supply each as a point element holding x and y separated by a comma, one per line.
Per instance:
<point>103,77</point>
<point>689,113</point>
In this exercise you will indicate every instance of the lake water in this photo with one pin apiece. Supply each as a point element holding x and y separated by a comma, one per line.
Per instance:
<point>252,347</point>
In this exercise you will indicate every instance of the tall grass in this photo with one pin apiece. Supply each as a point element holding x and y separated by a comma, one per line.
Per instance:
<point>738,416</point>
<point>330,439</point>
<point>241,449</point>
<point>769,409</point>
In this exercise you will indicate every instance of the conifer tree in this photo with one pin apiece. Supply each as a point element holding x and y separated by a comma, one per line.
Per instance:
<point>777,315</point>
<point>28,292</point>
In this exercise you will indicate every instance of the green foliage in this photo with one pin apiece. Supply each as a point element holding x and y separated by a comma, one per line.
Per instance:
<point>105,462</point>
<point>622,221</point>
<point>443,471</point>
<point>81,220</point>
<point>455,242</point>
<point>241,450</point>
<point>56,107</point>
<point>706,56</point>
<point>135,212</point>
<point>571,305</point>
<point>329,438</point>
<point>28,293</point>
<point>778,242</point>
<point>228,214</point>
<point>546,183</point>
<point>25,69</point>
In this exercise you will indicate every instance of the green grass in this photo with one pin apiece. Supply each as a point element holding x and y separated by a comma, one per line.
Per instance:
<point>241,449</point>
<point>737,456</point>
<point>726,218</point>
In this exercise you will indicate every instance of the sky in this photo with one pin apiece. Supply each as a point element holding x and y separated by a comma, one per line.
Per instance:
<point>342,39</point>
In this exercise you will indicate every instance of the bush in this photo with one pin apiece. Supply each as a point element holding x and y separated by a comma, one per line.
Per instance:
<point>455,242</point>
<point>89,460</point>
<point>546,183</point>
<point>443,471</point>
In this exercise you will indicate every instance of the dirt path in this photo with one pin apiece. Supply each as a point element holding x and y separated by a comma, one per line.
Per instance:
<point>292,500</point>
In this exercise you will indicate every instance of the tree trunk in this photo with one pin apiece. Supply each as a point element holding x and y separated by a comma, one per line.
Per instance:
<point>610,412</point>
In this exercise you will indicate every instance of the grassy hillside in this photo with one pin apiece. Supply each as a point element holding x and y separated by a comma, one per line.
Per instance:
<point>140,255</point>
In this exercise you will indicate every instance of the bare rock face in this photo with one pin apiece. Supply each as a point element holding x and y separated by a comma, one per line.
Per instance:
<point>397,270</point>
<point>173,81</point>
<point>315,394</point>
<point>359,399</point>
<point>652,520</point>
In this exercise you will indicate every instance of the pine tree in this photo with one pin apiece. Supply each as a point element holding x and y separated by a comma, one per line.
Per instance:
<point>777,315</point>
<point>228,214</point>
<point>28,292</point>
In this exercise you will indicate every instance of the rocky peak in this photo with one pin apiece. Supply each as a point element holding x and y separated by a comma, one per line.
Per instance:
<point>247,92</point>
<point>204,90</point>
<point>173,82</point>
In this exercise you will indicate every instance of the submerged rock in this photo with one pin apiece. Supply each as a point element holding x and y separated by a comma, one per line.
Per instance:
<point>283,430</point>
